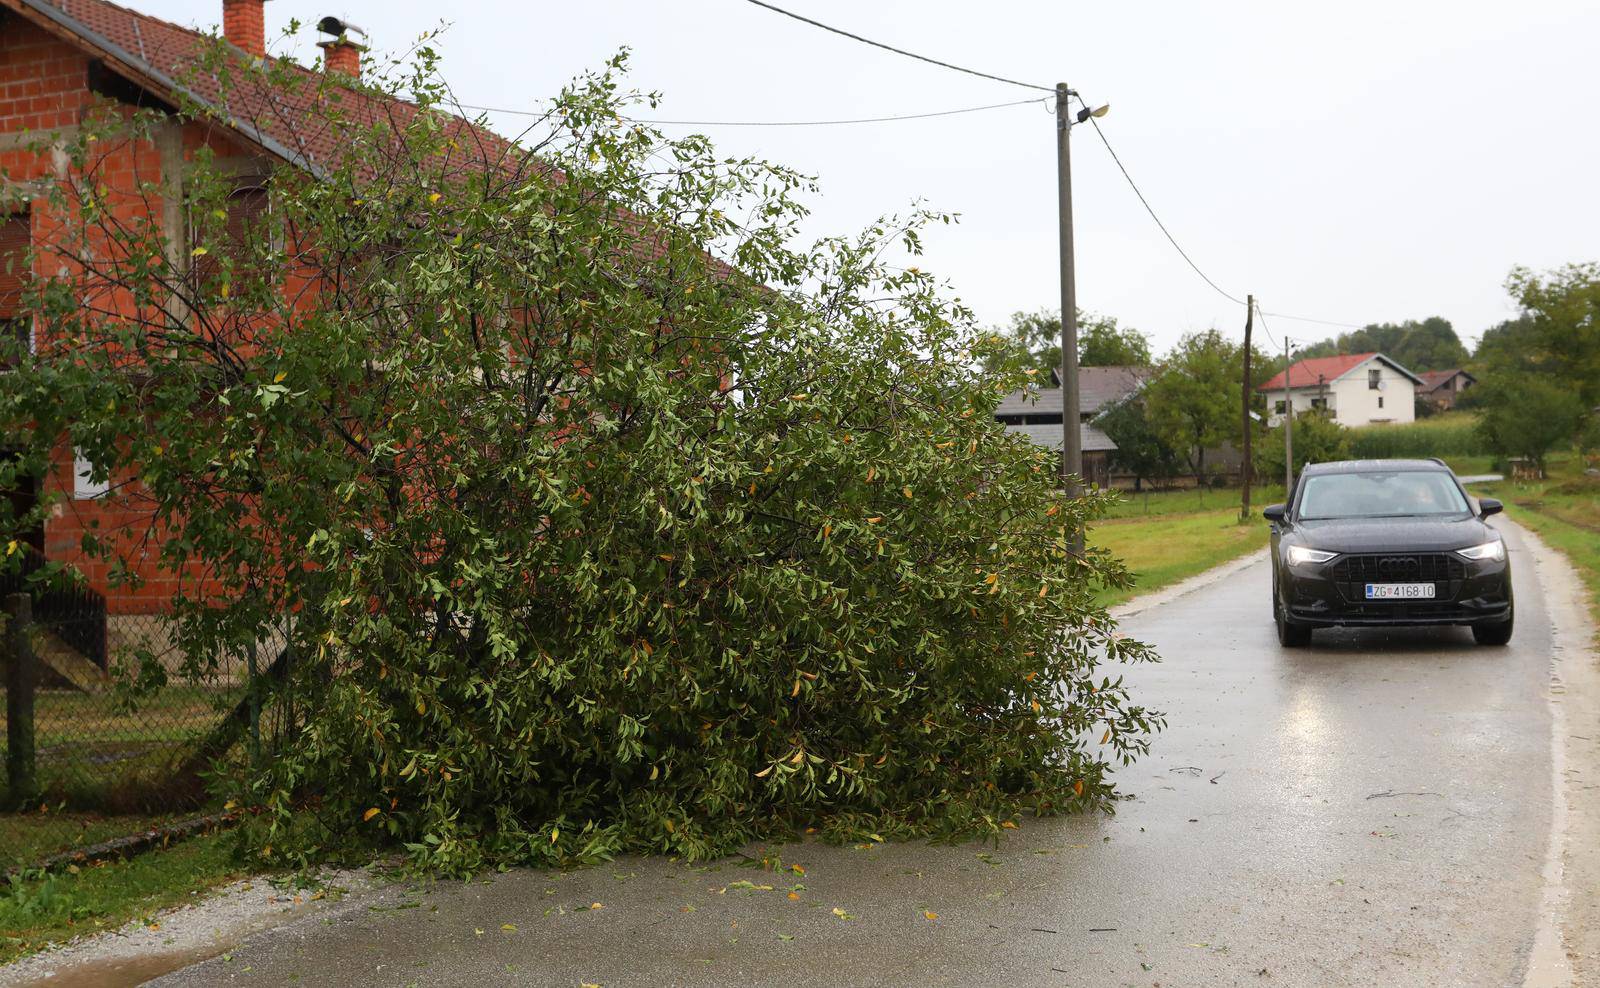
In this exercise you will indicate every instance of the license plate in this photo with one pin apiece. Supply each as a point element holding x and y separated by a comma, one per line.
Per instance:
<point>1400,591</point>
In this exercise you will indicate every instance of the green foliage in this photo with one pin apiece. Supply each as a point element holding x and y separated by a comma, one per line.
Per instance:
<point>1540,373</point>
<point>1417,345</point>
<point>1557,335</point>
<point>583,542</point>
<point>1140,450</point>
<point>1317,439</point>
<point>1527,415</point>
<point>1193,402</point>
<point>1033,340</point>
<point>1452,434</point>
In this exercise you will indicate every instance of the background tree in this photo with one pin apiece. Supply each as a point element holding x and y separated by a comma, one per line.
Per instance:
<point>581,540</point>
<point>1140,450</point>
<point>1557,334</point>
<point>1192,403</point>
<point>1417,345</point>
<point>1033,340</point>
<point>1527,415</point>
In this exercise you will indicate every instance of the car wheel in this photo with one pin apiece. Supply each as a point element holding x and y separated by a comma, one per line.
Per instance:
<point>1498,633</point>
<point>1291,634</point>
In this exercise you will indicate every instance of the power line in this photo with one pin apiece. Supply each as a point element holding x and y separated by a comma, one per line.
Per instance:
<point>1151,210</point>
<point>1185,254</point>
<point>900,51</point>
<point>779,123</point>
<point>1320,322</point>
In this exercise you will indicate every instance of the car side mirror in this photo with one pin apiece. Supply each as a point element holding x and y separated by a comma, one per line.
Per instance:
<point>1489,506</point>
<point>1273,513</point>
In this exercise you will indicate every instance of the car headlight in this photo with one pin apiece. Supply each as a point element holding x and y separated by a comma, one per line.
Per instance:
<point>1299,555</point>
<point>1495,550</point>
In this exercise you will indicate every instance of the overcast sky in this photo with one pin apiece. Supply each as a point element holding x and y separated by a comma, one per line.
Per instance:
<point>1370,161</point>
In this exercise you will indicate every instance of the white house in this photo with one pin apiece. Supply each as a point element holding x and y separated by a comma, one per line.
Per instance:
<point>1354,388</point>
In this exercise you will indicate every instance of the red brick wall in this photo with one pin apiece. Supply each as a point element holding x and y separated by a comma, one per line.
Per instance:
<point>44,87</point>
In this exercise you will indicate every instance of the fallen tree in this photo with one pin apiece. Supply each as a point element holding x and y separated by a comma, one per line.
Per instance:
<point>583,540</point>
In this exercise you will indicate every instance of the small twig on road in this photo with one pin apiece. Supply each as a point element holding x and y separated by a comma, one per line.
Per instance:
<point>1390,792</point>
<point>1040,929</point>
<point>1219,775</point>
<point>1102,929</point>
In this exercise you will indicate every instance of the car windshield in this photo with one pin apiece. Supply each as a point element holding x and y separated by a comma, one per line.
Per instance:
<point>1396,494</point>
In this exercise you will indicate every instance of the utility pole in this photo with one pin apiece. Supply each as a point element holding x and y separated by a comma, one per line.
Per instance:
<point>1244,433</point>
<point>1071,437</point>
<point>1288,426</point>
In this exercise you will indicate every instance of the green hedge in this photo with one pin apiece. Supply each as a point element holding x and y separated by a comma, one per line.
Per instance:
<point>1444,436</point>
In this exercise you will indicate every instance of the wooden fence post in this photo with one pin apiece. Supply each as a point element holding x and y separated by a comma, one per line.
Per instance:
<point>22,681</point>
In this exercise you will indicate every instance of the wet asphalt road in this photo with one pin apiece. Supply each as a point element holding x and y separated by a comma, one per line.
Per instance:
<point>1373,810</point>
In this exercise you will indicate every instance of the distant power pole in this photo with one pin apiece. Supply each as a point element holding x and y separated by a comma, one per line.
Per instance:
<point>1244,425</point>
<point>1288,425</point>
<point>1071,437</point>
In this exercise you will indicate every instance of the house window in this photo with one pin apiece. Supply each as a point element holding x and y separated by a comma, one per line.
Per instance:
<point>16,326</point>
<point>1281,407</point>
<point>84,486</point>
<point>1380,401</point>
<point>1319,403</point>
<point>1374,378</point>
<point>247,209</point>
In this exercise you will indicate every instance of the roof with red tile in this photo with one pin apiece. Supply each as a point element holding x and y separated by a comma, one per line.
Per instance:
<point>288,122</point>
<point>291,122</point>
<point>1325,370</point>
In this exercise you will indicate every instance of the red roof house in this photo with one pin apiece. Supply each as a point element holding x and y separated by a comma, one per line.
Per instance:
<point>1355,389</point>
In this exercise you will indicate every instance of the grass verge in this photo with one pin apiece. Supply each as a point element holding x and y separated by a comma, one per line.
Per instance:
<point>1564,509</point>
<point>1164,549</point>
<point>39,910</point>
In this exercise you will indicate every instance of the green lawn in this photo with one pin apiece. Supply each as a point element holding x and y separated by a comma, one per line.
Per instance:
<point>1190,501</point>
<point>38,910</point>
<point>29,838</point>
<point>1564,509</point>
<point>1164,549</point>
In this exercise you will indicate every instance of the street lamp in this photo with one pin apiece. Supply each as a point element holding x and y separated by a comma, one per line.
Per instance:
<point>1071,436</point>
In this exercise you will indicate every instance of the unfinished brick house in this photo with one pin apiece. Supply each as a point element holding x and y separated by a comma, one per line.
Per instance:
<point>59,61</point>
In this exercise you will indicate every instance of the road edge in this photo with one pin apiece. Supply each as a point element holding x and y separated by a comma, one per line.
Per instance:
<point>1199,581</point>
<point>1567,934</point>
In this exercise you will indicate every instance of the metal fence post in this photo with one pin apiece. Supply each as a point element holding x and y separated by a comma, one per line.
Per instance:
<point>22,680</point>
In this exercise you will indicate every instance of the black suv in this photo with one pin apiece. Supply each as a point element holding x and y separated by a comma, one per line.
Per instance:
<point>1387,542</point>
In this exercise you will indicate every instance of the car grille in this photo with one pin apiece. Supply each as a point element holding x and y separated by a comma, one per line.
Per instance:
<point>1445,571</point>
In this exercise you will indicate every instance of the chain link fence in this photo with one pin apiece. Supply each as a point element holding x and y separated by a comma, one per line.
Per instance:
<point>88,758</point>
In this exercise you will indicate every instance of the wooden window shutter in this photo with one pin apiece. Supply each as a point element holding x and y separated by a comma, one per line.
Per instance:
<point>15,235</point>
<point>247,208</point>
<point>15,325</point>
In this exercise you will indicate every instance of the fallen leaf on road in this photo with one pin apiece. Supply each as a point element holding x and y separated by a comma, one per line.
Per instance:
<point>785,936</point>
<point>929,915</point>
<point>841,913</point>
<point>477,932</point>
<point>795,896</point>
<point>508,927</point>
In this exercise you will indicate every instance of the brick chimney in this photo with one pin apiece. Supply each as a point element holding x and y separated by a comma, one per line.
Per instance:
<point>244,23</point>
<point>342,57</point>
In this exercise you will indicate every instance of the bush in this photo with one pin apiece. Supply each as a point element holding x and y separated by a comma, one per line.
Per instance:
<point>1317,439</point>
<point>590,543</point>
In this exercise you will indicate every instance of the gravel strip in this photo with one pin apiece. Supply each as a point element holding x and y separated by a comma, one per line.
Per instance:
<point>213,924</point>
